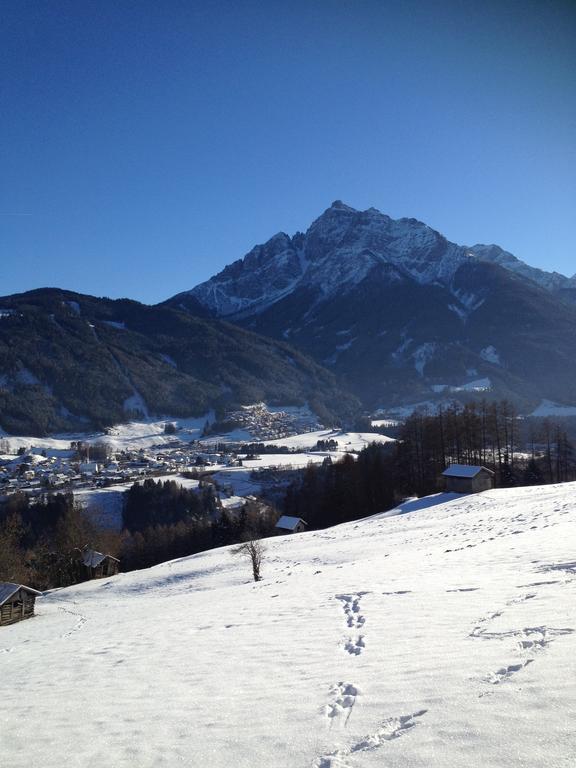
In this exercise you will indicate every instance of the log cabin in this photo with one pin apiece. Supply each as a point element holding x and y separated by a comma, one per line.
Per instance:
<point>16,602</point>
<point>98,565</point>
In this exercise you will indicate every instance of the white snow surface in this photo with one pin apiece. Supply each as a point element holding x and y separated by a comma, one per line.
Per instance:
<point>129,436</point>
<point>439,636</point>
<point>478,385</point>
<point>136,403</point>
<point>548,408</point>
<point>347,441</point>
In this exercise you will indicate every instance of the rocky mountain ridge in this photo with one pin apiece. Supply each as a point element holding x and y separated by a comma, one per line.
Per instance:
<point>339,250</point>
<point>401,314</point>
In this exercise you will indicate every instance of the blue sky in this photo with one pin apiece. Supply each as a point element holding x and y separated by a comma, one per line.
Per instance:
<point>145,144</point>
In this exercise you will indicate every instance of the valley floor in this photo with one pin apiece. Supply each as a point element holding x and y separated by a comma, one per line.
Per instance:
<point>442,637</point>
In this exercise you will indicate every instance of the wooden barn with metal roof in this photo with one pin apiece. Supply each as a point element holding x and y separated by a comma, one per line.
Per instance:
<point>98,565</point>
<point>16,602</point>
<point>464,478</point>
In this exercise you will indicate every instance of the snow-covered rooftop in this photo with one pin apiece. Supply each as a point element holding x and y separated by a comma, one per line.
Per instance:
<point>288,523</point>
<point>7,589</point>
<point>464,470</point>
<point>92,559</point>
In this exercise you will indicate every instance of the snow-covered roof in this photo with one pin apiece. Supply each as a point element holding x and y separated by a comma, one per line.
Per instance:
<point>92,559</point>
<point>464,470</point>
<point>7,589</point>
<point>289,523</point>
<point>233,502</point>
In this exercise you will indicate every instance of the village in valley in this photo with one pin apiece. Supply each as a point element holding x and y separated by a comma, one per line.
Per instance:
<point>262,448</point>
<point>247,466</point>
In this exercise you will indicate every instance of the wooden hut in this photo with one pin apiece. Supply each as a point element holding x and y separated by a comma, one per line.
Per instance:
<point>99,565</point>
<point>287,524</point>
<point>464,478</point>
<point>16,602</point>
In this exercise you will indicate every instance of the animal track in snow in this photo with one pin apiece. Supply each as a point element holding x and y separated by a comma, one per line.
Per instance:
<point>342,701</point>
<point>390,729</point>
<point>79,624</point>
<point>567,567</point>
<point>354,645</point>
<point>334,760</point>
<point>505,673</point>
<point>521,599</point>
<point>351,607</point>
<point>529,638</point>
<point>529,641</point>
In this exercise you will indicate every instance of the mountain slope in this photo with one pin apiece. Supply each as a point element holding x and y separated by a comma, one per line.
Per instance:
<point>69,361</point>
<point>561,286</point>
<point>445,636</point>
<point>402,314</point>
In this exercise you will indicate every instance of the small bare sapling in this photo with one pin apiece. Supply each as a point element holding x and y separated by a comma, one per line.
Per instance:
<point>253,550</point>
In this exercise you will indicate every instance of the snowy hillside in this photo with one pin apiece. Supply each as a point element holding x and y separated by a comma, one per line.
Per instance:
<point>443,637</point>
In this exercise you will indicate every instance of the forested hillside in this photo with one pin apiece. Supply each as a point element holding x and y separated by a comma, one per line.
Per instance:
<point>75,362</point>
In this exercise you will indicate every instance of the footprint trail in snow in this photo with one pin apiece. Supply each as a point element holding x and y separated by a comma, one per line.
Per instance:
<point>353,644</point>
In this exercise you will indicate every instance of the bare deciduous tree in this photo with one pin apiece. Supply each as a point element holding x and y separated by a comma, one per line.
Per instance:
<point>253,550</point>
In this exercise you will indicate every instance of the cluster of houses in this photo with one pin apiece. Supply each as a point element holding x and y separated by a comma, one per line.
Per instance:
<point>264,424</point>
<point>37,471</point>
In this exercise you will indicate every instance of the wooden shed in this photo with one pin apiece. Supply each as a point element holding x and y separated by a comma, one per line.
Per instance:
<point>16,602</point>
<point>287,524</point>
<point>464,478</point>
<point>99,565</point>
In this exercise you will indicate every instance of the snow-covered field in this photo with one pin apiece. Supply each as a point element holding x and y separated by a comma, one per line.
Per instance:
<point>130,436</point>
<point>143,434</point>
<point>104,505</point>
<point>442,637</point>
<point>347,441</point>
<point>549,409</point>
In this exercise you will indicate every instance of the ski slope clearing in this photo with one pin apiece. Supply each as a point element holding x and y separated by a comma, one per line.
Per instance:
<point>347,441</point>
<point>440,637</point>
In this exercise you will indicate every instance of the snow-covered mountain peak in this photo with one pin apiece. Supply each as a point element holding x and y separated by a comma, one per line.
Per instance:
<point>418,311</point>
<point>338,205</point>
<point>341,249</point>
<point>337,252</point>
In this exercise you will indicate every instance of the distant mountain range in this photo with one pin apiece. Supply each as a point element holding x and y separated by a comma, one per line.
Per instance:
<point>360,306</point>
<point>75,362</point>
<point>400,314</point>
